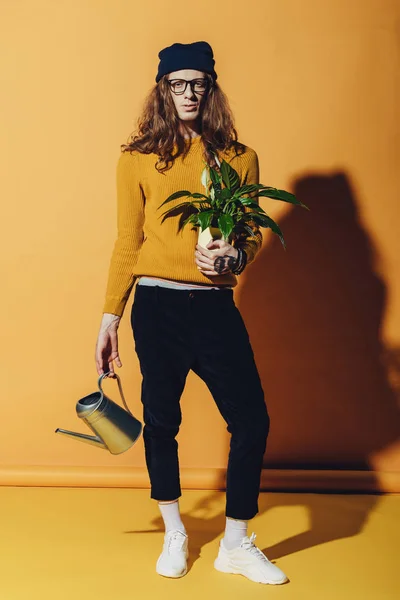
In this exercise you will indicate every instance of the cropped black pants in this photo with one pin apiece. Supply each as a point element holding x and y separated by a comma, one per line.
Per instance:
<point>178,330</point>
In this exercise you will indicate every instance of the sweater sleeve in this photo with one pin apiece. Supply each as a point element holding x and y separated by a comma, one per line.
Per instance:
<point>250,244</point>
<point>130,220</point>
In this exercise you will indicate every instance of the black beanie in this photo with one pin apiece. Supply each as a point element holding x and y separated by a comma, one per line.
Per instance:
<point>198,55</point>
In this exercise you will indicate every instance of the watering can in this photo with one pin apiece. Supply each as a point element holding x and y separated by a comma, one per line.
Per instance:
<point>116,429</point>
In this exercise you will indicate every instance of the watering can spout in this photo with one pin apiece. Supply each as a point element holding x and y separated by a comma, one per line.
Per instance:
<point>94,440</point>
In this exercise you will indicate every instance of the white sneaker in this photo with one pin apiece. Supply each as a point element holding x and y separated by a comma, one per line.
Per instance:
<point>248,560</point>
<point>172,560</point>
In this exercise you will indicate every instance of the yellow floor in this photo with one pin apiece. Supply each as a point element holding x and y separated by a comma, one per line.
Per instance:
<point>102,544</point>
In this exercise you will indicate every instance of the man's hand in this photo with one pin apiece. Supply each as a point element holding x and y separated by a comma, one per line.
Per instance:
<point>107,345</point>
<point>218,262</point>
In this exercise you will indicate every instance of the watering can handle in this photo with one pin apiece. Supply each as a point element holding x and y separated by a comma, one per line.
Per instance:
<point>119,385</point>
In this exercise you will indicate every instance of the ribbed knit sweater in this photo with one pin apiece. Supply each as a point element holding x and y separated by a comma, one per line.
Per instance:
<point>148,245</point>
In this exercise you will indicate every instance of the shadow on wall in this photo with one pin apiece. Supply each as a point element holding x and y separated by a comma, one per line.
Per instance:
<point>314,315</point>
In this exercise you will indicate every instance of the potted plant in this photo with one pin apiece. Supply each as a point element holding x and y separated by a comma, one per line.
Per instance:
<point>227,208</point>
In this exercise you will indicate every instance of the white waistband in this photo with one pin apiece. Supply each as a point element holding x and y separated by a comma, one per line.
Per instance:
<point>179,286</point>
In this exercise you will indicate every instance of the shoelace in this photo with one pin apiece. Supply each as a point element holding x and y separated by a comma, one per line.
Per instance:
<point>176,540</point>
<point>252,548</point>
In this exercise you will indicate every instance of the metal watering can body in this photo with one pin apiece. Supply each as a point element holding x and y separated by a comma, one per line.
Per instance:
<point>115,429</point>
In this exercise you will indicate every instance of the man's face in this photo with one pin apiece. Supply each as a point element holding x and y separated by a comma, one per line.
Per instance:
<point>189,103</point>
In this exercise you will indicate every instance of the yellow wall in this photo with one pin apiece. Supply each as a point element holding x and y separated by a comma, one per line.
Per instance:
<point>314,87</point>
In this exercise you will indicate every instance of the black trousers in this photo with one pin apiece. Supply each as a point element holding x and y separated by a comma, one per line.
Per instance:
<point>178,330</point>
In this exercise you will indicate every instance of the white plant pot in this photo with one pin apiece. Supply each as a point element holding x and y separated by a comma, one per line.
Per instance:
<point>208,234</point>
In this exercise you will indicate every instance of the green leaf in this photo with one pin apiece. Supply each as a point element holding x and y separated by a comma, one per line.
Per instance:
<point>231,205</point>
<point>225,194</point>
<point>187,204</point>
<point>204,218</point>
<point>265,221</point>
<point>215,178</point>
<point>193,218</point>
<point>251,204</point>
<point>176,195</point>
<point>250,187</point>
<point>225,223</point>
<point>249,230</point>
<point>197,195</point>
<point>276,194</point>
<point>230,177</point>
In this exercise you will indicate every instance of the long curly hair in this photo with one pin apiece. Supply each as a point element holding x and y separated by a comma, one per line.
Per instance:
<point>159,126</point>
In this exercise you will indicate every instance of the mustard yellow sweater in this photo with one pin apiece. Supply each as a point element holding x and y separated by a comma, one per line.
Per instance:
<point>145,244</point>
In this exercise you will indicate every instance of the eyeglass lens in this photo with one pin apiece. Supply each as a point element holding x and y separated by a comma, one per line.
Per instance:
<point>179,85</point>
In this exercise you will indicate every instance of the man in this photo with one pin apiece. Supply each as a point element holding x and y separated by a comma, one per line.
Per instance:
<point>184,315</point>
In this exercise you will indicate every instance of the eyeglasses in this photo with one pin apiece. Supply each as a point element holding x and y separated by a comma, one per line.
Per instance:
<point>178,86</point>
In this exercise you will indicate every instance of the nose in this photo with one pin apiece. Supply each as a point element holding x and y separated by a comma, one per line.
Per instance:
<point>189,94</point>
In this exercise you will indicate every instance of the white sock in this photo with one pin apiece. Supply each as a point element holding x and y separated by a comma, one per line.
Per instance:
<point>235,530</point>
<point>171,515</point>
